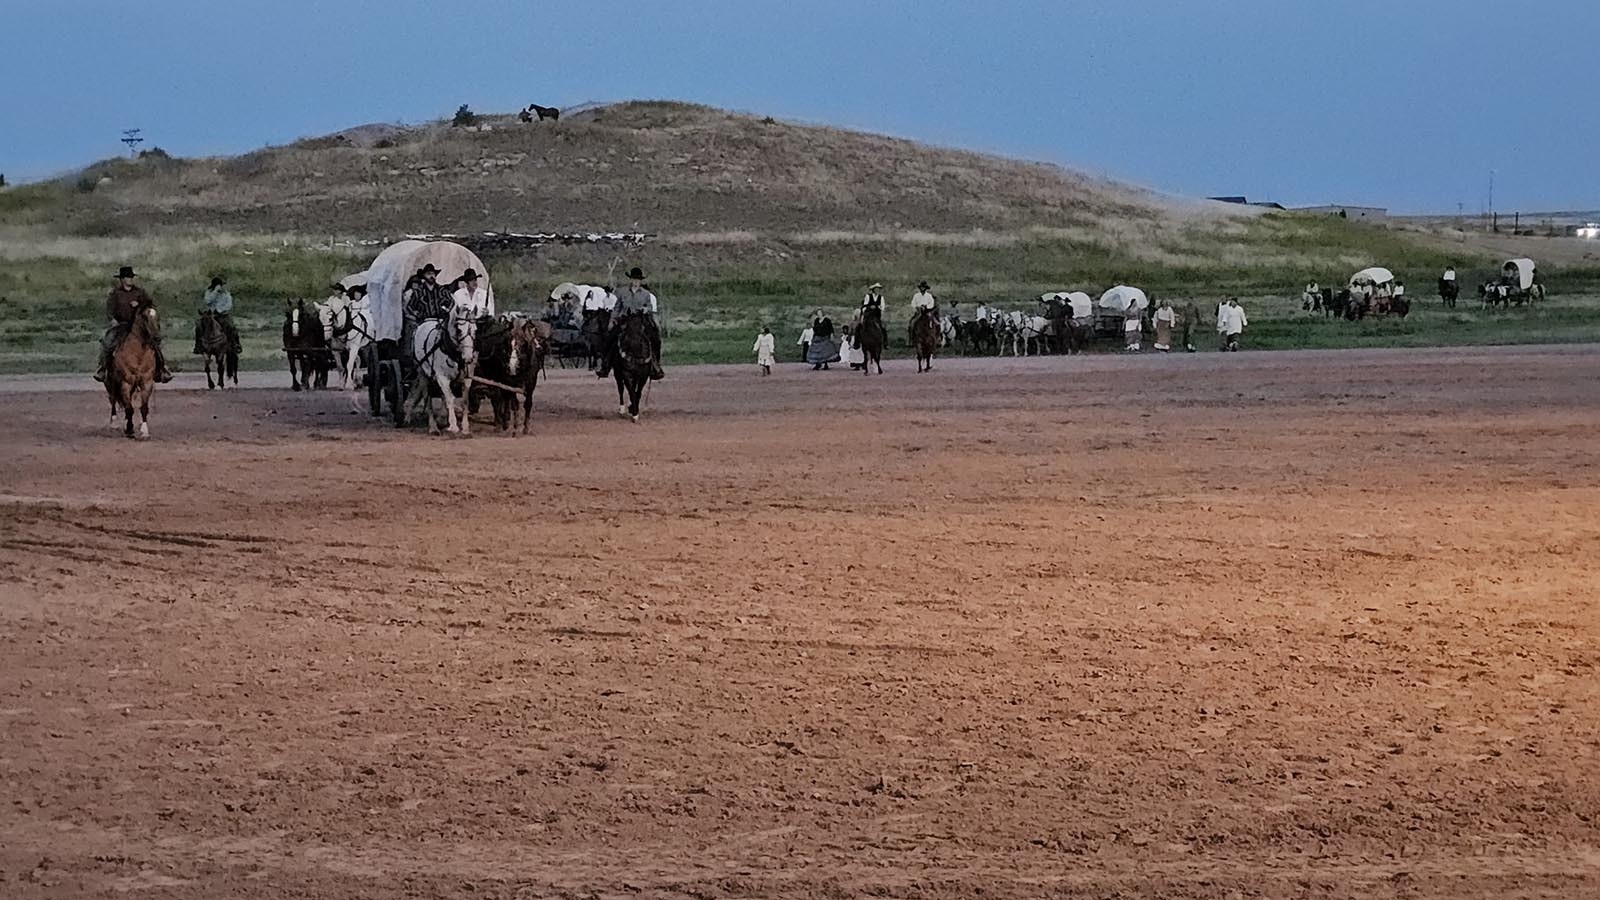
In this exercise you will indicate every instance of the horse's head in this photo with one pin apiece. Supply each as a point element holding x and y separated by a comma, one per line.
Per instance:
<point>149,322</point>
<point>464,331</point>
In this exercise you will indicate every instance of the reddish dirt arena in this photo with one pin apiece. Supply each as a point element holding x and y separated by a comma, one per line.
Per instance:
<point>1286,625</point>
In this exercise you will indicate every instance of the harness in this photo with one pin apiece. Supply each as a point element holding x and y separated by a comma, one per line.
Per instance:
<point>340,332</point>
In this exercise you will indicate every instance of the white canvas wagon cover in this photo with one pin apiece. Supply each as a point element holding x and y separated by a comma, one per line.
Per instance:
<point>1119,298</point>
<point>1374,276</point>
<point>1521,270</point>
<point>386,278</point>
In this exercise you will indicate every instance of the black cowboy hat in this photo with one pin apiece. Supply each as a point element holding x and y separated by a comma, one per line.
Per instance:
<point>357,289</point>
<point>923,285</point>
<point>470,274</point>
<point>126,272</point>
<point>218,281</point>
<point>636,273</point>
<point>430,267</point>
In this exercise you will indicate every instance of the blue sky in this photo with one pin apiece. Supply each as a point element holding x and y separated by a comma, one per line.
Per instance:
<point>1407,103</point>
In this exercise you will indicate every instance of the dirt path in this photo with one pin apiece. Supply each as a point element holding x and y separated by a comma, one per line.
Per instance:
<point>1266,625</point>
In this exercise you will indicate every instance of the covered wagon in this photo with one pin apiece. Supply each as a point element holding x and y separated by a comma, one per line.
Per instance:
<point>386,282</point>
<point>1519,282</point>
<point>1112,308</point>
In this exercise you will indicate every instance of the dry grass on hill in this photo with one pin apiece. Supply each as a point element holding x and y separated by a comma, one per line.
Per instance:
<point>659,167</point>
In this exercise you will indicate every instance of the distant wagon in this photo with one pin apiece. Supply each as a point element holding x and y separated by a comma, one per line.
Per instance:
<point>1112,308</point>
<point>1520,278</point>
<point>1373,290</point>
<point>389,363</point>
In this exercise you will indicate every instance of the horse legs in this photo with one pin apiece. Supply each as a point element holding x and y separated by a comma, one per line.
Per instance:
<point>144,415</point>
<point>209,385</point>
<point>353,359</point>
<point>634,391</point>
<point>622,400</point>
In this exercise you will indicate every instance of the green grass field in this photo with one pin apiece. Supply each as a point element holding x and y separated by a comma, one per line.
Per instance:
<point>717,294</point>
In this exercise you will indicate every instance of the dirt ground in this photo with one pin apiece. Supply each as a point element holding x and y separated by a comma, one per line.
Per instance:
<point>1262,625</point>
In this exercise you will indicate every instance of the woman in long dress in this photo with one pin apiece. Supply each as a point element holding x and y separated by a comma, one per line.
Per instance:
<point>765,350</point>
<point>1164,321</point>
<point>1131,325</point>
<point>824,347</point>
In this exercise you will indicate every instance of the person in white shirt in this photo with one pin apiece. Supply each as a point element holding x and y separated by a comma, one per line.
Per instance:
<point>873,299</point>
<point>1449,274</point>
<point>765,350</point>
<point>1234,326</point>
<point>473,297</point>
<point>1312,298</point>
<point>804,343</point>
<point>1448,289</point>
<point>923,303</point>
<point>982,313</point>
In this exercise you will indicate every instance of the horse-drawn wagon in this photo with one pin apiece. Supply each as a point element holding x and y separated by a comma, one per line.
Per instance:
<point>1519,282</point>
<point>391,372</point>
<point>1375,291</point>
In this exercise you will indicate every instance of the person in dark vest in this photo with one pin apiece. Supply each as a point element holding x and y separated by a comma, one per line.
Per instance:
<point>122,304</point>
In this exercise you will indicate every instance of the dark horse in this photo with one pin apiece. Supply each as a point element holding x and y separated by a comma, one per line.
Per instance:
<point>545,112</point>
<point>925,339</point>
<point>1449,291</point>
<point>215,343</point>
<point>870,339</point>
<point>596,322</point>
<point>630,363</point>
<point>131,373</point>
<point>307,346</point>
<point>513,356</point>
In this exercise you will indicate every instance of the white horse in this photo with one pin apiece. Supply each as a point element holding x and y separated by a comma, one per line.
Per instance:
<point>445,351</point>
<point>348,327</point>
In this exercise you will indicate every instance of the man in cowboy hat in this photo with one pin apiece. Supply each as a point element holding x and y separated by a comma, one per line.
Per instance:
<point>219,303</point>
<point>923,303</point>
<point>123,303</point>
<point>472,295</point>
<point>873,299</point>
<point>634,299</point>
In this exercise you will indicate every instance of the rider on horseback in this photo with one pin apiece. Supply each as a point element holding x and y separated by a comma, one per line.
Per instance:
<point>923,303</point>
<point>873,300</point>
<point>122,305</point>
<point>218,304</point>
<point>634,299</point>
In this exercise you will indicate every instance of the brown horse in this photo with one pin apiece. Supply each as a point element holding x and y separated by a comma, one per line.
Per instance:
<point>870,339</point>
<point>131,375</point>
<point>512,357</point>
<point>214,343</point>
<point>925,339</point>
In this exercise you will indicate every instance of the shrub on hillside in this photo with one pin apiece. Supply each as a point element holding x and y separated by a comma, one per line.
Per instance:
<point>87,183</point>
<point>154,153</point>
<point>465,117</point>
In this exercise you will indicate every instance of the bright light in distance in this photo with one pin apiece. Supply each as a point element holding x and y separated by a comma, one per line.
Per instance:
<point>1589,231</point>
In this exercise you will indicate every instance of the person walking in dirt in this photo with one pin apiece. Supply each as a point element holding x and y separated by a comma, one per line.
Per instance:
<point>122,304</point>
<point>1190,321</point>
<point>1232,324</point>
<point>765,350</point>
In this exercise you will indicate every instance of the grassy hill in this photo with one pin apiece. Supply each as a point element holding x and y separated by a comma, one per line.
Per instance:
<point>751,220</point>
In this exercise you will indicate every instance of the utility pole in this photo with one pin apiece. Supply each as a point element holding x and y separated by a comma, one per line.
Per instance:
<point>133,138</point>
